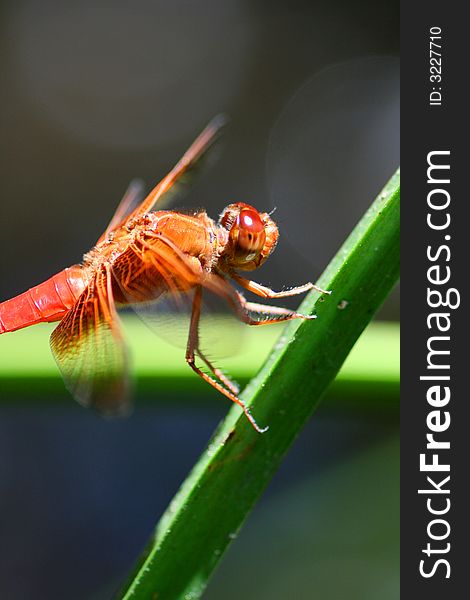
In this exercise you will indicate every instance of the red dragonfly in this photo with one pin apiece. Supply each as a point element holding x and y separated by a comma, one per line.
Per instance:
<point>144,255</point>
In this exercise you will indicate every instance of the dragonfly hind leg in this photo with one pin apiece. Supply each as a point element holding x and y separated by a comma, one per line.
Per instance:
<point>231,385</point>
<point>230,391</point>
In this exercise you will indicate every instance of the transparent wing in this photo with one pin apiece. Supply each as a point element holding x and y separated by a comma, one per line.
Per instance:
<point>132,198</point>
<point>132,205</point>
<point>221,333</point>
<point>158,282</point>
<point>186,164</point>
<point>89,350</point>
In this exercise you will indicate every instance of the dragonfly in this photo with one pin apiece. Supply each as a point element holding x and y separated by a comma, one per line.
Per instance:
<point>143,255</point>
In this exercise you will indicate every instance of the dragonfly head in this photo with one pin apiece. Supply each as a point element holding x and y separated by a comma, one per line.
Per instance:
<point>252,236</point>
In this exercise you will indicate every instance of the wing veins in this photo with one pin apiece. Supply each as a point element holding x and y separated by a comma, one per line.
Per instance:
<point>88,348</point>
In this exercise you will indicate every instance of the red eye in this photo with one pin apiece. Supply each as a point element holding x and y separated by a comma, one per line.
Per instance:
<point>250,221</point>
<point>248,235</point>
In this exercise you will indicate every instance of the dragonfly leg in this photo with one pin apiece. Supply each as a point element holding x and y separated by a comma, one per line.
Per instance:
<point>242,308</point>
<point>192,350</point>
<point>265,292</point>
<point>193,344</point>
<point>232,385</point>
<point>279,314</point>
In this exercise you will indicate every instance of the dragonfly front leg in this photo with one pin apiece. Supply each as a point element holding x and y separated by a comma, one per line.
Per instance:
<point>265,292</point>
<point>192,350</point>
<point>242,308</point>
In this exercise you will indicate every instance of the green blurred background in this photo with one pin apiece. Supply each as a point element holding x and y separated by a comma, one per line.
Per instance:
<point>96,93</point>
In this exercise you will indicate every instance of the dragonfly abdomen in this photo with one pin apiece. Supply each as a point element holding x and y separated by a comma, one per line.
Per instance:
<point>48,301</point>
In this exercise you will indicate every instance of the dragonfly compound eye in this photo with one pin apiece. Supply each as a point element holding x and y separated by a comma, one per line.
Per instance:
<point>248,235</point>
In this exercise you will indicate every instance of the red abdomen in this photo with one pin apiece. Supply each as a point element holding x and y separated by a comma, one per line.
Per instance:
<point>48,301</point>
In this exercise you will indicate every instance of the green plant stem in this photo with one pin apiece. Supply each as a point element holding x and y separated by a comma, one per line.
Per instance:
<point>217,496</point>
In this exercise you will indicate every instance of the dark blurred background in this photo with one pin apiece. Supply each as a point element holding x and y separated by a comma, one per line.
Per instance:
<point>96,93</point>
